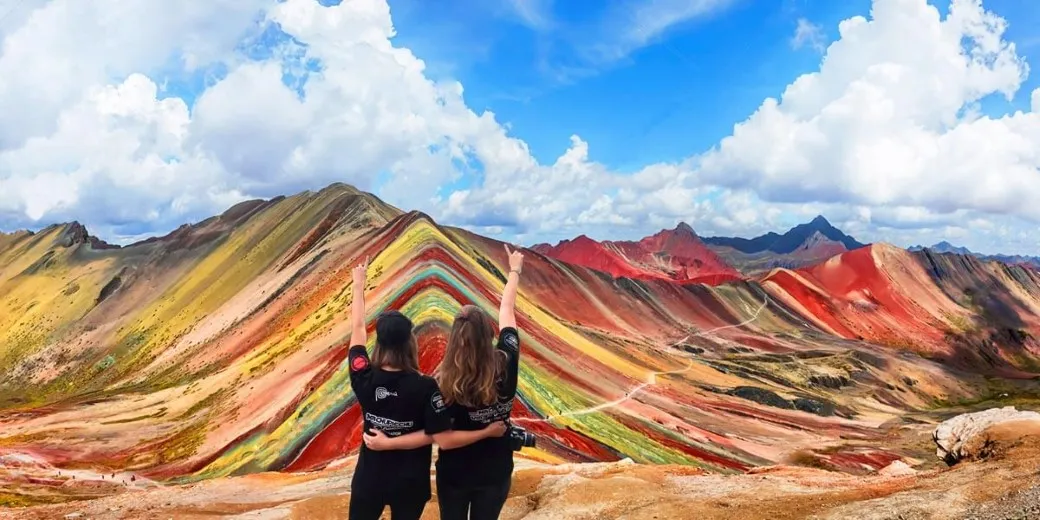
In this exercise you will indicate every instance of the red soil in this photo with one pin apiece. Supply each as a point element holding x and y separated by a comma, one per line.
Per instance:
<point>587,252</point>
<point>863,300</point>
<point>675,255</point>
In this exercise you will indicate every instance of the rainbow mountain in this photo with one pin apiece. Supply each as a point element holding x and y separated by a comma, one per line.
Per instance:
<point>219,349</point>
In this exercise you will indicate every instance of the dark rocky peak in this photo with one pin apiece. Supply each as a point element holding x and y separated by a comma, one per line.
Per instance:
<point>820,222</point>
<point>684,228</point>
<point>76,233</point>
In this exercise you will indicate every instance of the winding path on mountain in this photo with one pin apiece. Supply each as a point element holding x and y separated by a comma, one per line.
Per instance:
<point>652,378</point>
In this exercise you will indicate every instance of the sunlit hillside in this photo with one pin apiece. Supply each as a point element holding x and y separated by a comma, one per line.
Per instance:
<point>219,349</point>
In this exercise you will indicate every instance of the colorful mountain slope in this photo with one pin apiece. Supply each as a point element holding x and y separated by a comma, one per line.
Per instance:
<point>677,255</point>
<point>219,349</point>
<point>590,253</point>
<point>953,308</point>
<point>946,247</point>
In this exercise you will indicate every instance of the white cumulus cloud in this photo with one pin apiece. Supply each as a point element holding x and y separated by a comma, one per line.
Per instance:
<point>883,123</point>
<point>885,138</point>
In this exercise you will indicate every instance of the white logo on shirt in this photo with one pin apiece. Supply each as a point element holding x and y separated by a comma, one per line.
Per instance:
<point>383,393</point>
<point>437,401</point>
<point>511,340</point>
<point>495,412</point>
<point>388,426</point>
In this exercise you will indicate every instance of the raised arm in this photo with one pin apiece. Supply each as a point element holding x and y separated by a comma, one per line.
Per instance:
<point>506,314</point>
<point>358,331</point>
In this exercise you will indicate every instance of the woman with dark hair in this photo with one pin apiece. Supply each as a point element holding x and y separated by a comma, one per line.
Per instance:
<point>397,403</point>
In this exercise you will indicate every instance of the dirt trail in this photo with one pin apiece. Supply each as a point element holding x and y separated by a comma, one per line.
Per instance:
<point>652,376</point>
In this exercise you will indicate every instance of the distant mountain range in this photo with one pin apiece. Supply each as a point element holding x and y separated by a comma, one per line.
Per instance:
<point>671,254</point>
<point>789,242</point>
<point>946,247</point>
<point>680,255</point>
<point>943,247</point>
<point>803,245</point>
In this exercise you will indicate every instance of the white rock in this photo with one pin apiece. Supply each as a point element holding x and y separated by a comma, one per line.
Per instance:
<point>897,468</point>
<point>953,437</point>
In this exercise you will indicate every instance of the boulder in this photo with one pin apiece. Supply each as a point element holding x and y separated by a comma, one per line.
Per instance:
<point>971,435</point>
<point>897,468</point>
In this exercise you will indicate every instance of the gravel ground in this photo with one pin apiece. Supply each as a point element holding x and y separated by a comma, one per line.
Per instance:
<point>1023,505</point>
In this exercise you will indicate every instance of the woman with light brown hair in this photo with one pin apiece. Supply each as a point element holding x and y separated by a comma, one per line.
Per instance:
<point>400,407</point>
<point>477,379</point>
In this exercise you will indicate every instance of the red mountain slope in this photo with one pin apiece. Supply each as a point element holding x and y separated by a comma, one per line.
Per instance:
<point>587,252</point>
<point>676,255</point>
<point>873,292</point>
<point>884,294</point>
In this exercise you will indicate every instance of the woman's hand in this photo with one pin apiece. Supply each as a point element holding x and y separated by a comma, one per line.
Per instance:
<point>358,332</point>
<point>516,259</point>
<point>495,429</point>
<point>506,314</point>
<point>377,440</point>
<point>360,273</point>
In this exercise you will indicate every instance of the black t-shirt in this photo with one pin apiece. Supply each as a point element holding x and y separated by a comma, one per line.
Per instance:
<point>489,461</point>
<point>396,403</point>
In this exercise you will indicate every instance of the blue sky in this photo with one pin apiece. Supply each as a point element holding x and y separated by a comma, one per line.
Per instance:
<point>233,107</point>
<point>677,96</point>
<point>674,97</point>
<point>660,103</point>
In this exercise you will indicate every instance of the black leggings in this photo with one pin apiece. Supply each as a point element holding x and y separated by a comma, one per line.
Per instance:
<point>362,508</point>
<point>472,503</point>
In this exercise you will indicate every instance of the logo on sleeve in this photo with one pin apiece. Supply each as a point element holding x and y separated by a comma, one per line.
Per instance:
<point>437,401</point>
<point>512,340</point>
<point>359,363</point>
<point>383,393</point>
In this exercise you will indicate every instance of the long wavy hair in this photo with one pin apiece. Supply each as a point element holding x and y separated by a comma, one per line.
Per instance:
<point>469,373</point>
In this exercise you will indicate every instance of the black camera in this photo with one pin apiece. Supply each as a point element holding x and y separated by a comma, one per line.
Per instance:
<point>519,438</point>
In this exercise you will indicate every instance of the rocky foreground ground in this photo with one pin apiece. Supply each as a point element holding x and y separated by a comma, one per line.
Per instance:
<point>996,475</point>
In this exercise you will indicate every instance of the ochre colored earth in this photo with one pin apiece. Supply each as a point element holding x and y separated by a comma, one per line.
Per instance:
<point>609,491</point>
